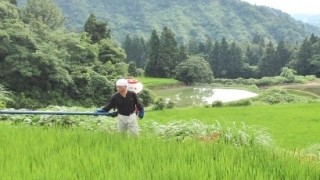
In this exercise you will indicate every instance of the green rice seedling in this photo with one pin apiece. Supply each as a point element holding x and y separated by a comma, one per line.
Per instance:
<point>56,153</point>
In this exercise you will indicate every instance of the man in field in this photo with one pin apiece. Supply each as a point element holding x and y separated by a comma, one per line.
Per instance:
<point>126,102</point>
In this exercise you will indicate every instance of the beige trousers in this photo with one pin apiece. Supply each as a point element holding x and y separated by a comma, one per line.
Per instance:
<point>128,124</point>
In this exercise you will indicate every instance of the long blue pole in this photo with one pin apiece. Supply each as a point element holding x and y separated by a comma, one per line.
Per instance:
<point>53,113</point>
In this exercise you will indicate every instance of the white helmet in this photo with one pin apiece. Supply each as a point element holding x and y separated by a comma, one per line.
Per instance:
<point>122,82</point>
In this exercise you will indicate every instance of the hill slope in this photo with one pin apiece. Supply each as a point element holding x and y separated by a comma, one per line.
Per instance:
<point>310,19</point>
<point>232,19</point>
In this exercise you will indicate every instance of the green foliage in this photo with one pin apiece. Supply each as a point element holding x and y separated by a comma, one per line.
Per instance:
<point>8,11</point>
<point>234,20</point>
<point>163,54</point>
<point>109,51</point>
<point>132,69</point>
<point>153,56</point>
<point>276,96</point>
<point>4,96</point>
<point>159,104</point>
<point>265,81</point>
<point>44,12</point>
<point>217,104</point>
<point>289,74</point>
<point>147,97</point>
<point>245,102</point>
<point>162,103</point>
<point>96,30</point>
<point>136,50</point>
<point>194,70</point>
<point>42,63</point>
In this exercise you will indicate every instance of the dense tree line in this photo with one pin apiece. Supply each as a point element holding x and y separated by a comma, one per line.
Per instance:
<point>43,63</point>
<point>226,59</point>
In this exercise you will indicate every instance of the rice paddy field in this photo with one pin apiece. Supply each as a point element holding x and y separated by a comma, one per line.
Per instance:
<point>57,153</point>
<point>60,152</point>
<point>259,141</point>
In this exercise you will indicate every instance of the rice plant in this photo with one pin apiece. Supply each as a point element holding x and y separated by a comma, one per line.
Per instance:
<point>28,152</point>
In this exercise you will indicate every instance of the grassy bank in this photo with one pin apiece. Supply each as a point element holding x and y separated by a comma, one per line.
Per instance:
<point>54,153</point>
<point>291,125</point>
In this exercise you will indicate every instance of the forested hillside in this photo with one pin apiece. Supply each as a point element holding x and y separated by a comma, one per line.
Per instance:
<point>44,63</point>
<point>199,19</point>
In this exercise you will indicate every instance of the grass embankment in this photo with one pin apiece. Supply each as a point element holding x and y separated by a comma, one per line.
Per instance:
<point>52,153</point>
<point>158,82</point>
<point>291,125</point>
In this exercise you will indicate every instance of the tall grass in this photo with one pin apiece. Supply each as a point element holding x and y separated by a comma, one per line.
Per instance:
<point>55,153</point>
<point>293,126</point>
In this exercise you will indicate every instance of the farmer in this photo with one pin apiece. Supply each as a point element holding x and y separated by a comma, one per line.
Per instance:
<point>126,102</point>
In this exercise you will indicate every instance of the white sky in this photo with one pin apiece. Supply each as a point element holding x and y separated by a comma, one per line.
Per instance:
<point>291,6</point>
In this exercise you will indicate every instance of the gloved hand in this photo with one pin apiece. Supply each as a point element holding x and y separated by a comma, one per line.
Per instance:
<point>113,114</point>
<point>141,114</point>
<point>98,111</point>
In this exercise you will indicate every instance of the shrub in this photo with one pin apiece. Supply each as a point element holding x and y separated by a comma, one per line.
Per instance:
<point>147,97</point>
<point>162,103</point>
<point>4,96</point>
<point>159,104</point>
<point>217,104</point>
<point>245,102</point>
<point>170,104</point>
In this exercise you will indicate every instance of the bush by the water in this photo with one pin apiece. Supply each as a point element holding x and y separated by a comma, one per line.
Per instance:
<point>265,81</point>
<point>277,95</point>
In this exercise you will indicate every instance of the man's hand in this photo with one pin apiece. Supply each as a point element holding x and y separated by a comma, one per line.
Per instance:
<point>99,111</point>
<point>141,114</point>
<point>113,114</point>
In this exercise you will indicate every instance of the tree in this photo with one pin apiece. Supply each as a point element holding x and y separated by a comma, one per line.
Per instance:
<point>302,64</point>
<point>282,57</point>
<point>194,70</point>
<point>8,12</point>
<point>13,2</point>
<point>208,45</point>
<point>183,55</point>
<point>266,65</point>
<point>219,58</point>
<point>109,51</point>
<point>152,63</point>
<point>132,69</point>
<point>315,59</point>
<point>96,30</point>
<point>214,59</point>
<point>43,12</point>
<point>253,55</point>
<point>235,62</point>
<point>168,53</point>
<point>127,46</point>
<point>193,47</point>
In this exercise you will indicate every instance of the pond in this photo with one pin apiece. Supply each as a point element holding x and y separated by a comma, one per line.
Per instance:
<point>193,96</point>
<point>228,95</point>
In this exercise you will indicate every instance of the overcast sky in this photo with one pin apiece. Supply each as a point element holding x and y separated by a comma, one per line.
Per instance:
<point>291,6</point>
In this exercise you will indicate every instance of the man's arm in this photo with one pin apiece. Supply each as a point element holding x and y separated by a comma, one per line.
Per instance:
<point>109,105</point>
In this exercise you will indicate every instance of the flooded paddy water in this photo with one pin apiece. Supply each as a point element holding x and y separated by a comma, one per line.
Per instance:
<point>192,96</point>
